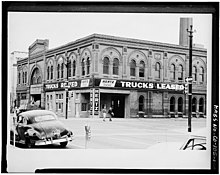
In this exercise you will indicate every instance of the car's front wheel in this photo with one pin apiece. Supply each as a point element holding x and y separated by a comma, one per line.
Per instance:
<point>28,143</point>
<point>63,144</point>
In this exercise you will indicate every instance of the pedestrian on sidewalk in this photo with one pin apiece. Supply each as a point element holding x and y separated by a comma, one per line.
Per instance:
<point>104,112</point>
<point>111,114</point>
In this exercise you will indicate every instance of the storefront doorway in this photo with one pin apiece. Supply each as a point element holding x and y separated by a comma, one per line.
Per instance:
<point>118,104</point>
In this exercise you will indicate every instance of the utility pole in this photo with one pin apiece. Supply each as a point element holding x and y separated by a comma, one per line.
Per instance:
<point>190,78</point>
<point>67,84</point>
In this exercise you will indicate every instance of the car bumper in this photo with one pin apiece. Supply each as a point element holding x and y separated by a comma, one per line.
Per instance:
<point>53,141</point>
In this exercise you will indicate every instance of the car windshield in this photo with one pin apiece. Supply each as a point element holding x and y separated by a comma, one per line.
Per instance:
<point>44,118</point>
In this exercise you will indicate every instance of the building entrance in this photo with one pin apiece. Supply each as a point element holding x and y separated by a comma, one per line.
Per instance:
<point>118,104</point>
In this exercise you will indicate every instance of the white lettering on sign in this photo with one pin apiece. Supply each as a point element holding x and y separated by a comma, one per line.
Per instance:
<point>85,83</point>
<point>176,87</point>
<point>51,86</point>
<point>137,85</point>
<point>68,85</point>
<point>107,83</point>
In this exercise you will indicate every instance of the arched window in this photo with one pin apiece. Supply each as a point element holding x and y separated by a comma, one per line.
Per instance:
<point>201,104</point>
<point>180,104</point>
<point>88,66</point>
<point>115,66</point>
<point>180,76</point>
<point>74,67</point>
<point>141,69</point>
<point>36,77</point>
<point>194,73</point>
<point>25,77</point>
<point>48,73</point>
<point>62,69</point>
<point>172,104</point>
<point>19,78</point>
<point>51,72</point>
<point>172,70</point>
<point>133,68</point>
<point>69,68</point>
<point>58,71</point>
<point>141,103</point>
<point>106,65</point>
<point>157,70</point>
<point>201,74</point>
<point>194,103</point>
<point>83,66</point>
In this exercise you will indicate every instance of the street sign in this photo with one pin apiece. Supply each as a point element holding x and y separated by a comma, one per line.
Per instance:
<point>189,79</point>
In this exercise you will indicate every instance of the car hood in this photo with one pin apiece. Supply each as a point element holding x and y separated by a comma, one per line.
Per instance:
<point>50,128</point>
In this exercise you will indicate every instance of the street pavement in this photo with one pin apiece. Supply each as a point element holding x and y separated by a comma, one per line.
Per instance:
<point>127,133</point>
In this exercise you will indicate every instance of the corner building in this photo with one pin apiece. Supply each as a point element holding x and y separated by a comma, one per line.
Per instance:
<point>137,78</point>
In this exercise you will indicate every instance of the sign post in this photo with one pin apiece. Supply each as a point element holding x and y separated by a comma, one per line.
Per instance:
<point>190,78</point>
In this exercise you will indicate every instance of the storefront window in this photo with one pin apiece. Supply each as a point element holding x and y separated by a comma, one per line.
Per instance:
<point>180,104</point>
<point>115,66</point>
<point>194,103</point>
<point>172,72</point>
<point>106,66</point>
<point>141,103</point>
<point>172,104</point>
<point>84,107</point>
<point>141,69</point>
<point>132,68</point>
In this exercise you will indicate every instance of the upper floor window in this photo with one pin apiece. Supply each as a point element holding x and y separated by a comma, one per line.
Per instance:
<point>115,66</point>
<point>69,69</point>
<point>48,72</point>
<point>106,65</point>
<point>194,73</point>
<point>88,66</point>
<point>141,69</point>
<point>51,72</point>
<point>201,74</point>
<point>157,70</point>
<point>180,76</point>
<point>19,78</point>
<point>36,77</point>
<point>74,67</point>
<point>58,71</point>
<point>62,69</point>
<point>172,70</point>
<point>132,68</point>
<point>83,66</point>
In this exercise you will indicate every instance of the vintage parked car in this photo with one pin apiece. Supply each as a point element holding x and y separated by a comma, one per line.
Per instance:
<point>195,141</point>
<point>40,127</point>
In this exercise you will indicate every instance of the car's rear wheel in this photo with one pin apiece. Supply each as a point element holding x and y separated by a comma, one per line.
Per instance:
<point>63,144</point>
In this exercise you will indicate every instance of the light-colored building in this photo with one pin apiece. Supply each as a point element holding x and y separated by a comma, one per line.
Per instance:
<point>135,77</point>
<point>12,67</point>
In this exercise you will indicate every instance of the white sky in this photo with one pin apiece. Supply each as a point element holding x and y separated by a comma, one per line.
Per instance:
<point>61,28</point>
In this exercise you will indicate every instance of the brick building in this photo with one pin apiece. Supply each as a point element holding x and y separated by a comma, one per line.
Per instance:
<point>135,77</point>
